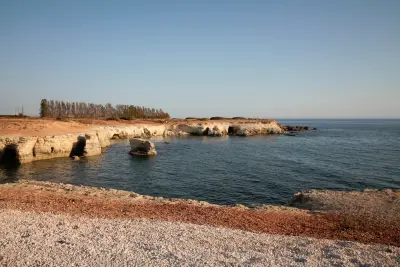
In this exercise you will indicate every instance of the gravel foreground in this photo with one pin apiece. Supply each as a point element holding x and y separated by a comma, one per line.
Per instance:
<point>44,239</point>
<point>356,225</point>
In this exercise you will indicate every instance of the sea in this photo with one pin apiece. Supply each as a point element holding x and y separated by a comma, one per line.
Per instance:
<point>339,155</point>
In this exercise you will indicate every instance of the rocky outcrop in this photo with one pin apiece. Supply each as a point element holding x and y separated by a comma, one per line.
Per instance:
<point>136,131</point>
<point>17,149</point>
<point>248,129</point>
<point>141,147</point>
<point>226,128</point>
<point>206,129</point>
<point>297,128</point>
<point>197,129</point>
<point>27,149</point>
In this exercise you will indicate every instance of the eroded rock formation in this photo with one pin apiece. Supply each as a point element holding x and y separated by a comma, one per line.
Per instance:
<point>141,147</point>
<point>27,149</point>
<point>297,128</point>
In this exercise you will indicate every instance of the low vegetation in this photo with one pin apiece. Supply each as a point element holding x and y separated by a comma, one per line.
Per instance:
<point>14,116</point>
<point>233,118</point>
<point>219,118</point>
<point>199,119</point>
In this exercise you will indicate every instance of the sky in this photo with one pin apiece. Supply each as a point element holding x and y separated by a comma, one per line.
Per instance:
<point>271,59</point>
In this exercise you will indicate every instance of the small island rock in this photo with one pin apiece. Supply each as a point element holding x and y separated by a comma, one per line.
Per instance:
<point>141,147</point>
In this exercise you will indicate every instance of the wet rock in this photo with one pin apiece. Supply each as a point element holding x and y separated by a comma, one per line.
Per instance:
<point>297,128</point>
<point>75,158</point>
<point>141,147</point>
<point>79,147</point>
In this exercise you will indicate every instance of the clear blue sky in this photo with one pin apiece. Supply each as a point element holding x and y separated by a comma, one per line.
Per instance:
<point>280,59</point>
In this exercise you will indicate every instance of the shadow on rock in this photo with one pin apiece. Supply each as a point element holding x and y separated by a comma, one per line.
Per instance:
<point>78,148</point>
<point>9,157</point>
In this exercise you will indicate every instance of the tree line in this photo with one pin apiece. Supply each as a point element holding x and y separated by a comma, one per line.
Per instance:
<point>56,109</point>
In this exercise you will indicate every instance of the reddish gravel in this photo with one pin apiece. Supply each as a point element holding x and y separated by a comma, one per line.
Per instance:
<point>286,222</point>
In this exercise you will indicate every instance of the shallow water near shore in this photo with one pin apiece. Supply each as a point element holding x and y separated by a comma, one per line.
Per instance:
<point>340,155</point>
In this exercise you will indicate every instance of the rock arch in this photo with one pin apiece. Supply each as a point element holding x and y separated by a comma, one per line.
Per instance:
<point>10,155</point>
<point>78,148</point>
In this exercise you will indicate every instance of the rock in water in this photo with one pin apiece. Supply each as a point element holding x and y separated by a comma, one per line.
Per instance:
<point>141,147</point>
<point>75,158</point>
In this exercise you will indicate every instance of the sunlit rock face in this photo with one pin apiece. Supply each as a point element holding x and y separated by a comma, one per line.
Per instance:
<point>32,148</point>
<point>38,148</point>
<point>248,129</point>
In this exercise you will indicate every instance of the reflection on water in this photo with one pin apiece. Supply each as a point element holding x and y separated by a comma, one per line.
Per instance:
<point>9,173</point>
<point>208,140</point>
<point>228,170</point>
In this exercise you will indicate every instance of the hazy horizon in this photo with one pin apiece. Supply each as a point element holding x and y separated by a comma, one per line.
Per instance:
<point>271,59</point>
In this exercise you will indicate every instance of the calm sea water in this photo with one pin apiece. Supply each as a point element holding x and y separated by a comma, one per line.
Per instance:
<point>341,154</point>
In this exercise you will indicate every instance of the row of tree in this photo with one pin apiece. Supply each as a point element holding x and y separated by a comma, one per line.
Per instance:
<point>55,108</point>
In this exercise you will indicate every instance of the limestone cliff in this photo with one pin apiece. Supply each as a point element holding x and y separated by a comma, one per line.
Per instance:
<point>27,149</point>
<point>249,129</point>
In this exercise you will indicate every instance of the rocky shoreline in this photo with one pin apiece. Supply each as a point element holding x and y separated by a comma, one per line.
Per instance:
<point>371,222</point>
<point>22,149</point>
<point>43,223</point>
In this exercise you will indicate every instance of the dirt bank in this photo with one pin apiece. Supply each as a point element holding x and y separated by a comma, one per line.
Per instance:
<point>39,127</point>
<point>44,127</point>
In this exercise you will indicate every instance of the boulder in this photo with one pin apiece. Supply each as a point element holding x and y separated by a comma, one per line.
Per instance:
<point>297,128</point>
<point>79,147</point>
<point>217,131</point>
<point>141,147</point>
<point>75,158</point>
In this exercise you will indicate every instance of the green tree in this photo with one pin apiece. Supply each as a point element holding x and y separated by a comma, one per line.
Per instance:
<point>44,108</point>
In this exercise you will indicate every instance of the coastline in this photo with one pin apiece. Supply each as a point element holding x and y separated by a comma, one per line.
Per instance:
<point>346,224</point>
<point>334,227</point>
<point>34,140</point>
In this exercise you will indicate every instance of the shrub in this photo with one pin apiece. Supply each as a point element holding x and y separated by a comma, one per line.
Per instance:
<point>126,118</point>
<point>199,119</point>
<point>62,119</point>
<point>113,118</point>
<point>218,118</point>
